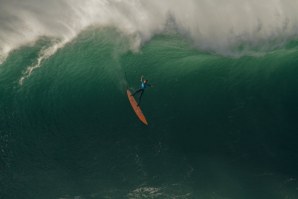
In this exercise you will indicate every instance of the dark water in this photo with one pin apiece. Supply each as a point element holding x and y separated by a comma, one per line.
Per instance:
<point>219,127</point>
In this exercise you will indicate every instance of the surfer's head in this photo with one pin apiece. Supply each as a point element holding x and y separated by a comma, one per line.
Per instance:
<point>146,81</point>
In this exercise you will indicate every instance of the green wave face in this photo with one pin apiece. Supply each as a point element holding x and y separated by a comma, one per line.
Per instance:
<point>219,126</point>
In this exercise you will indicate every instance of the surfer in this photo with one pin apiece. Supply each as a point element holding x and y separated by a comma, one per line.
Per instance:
<point>144,85</point>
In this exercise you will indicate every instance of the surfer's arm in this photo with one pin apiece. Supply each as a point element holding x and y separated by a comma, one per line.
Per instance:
<point>142,78</point>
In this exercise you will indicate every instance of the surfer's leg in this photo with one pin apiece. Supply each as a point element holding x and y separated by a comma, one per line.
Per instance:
<point>137,92</point>
<point>140,96</point>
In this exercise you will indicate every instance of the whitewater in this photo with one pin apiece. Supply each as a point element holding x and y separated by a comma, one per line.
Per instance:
<point>217,26</point>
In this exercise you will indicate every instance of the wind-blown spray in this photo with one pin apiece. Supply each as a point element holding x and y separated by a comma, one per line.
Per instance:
<point>214,25</point>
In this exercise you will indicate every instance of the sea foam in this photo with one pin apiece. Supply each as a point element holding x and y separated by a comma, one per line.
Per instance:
<point>223,27</point>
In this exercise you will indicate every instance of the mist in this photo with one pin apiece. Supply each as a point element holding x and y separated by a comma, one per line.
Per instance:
<point>213,25</point>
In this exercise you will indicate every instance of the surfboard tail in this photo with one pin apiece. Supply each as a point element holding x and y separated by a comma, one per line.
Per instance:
<point>136,108</point>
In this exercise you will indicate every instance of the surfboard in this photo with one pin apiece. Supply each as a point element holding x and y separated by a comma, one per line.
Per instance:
<point>136,108</point>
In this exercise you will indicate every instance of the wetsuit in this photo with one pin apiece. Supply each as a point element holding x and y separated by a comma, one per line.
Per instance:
<point>141,91</point>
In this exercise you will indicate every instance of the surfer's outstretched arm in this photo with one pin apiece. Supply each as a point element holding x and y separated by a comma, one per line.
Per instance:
<point>142,78</point>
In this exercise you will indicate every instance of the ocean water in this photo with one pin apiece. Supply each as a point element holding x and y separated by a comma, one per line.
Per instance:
<point>222,113</point>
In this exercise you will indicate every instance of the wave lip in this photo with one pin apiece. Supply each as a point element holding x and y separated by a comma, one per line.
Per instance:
<point>221,27</point>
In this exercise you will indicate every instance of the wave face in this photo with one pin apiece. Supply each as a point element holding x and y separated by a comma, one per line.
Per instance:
<point>219,127</point>
<point>222,113</point>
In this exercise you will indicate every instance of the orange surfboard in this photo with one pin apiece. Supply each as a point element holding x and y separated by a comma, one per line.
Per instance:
<point>136,108</point>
